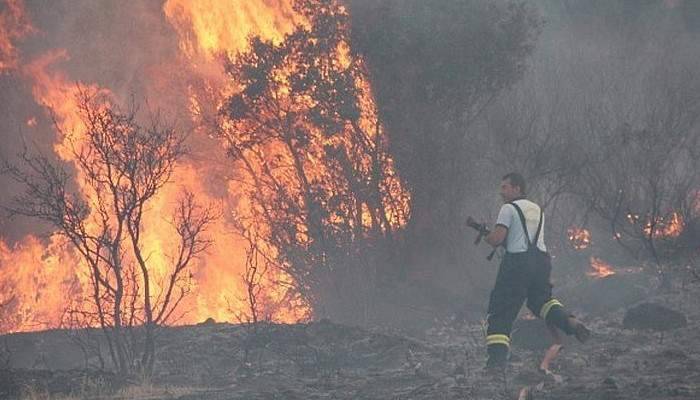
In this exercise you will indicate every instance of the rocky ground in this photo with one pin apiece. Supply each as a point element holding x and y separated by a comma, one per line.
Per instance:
<point>324,360</point>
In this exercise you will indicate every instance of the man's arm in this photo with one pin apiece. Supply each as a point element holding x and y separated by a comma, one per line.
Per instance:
<point>500,231</point>
<point>498,235</point>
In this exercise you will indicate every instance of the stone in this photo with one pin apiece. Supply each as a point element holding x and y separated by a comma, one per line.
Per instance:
<point>654,317</point>
<point>207,322</point>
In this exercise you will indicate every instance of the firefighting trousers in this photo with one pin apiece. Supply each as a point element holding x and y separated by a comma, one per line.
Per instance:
<point>521,277</point>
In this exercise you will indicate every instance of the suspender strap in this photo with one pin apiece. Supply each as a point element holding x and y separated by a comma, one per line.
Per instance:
<point>522,221</point>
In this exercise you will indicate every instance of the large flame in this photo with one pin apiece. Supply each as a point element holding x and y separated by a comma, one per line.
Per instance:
<point>207,29</point>
<point>53,90</point>
<point>37,275</point>
<point>210,27</point>
<point>35,280</point>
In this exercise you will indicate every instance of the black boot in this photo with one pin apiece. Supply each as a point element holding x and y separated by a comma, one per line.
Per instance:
<point>498,357</point>
<point>579,330</point>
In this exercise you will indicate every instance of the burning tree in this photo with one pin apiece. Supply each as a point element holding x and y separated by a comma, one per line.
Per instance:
<point>121,166</point>
<point>313,157</point>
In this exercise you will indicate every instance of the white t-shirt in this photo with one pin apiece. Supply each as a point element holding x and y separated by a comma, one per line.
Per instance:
<point>508,217</point>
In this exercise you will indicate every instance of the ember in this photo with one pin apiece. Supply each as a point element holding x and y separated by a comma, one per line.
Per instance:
<point>669,227</point>
<point>579,238</point>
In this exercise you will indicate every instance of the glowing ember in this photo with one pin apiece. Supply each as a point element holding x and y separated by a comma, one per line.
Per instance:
<point>600,269</point>
<point>579,238</point>
<point>669,227</point>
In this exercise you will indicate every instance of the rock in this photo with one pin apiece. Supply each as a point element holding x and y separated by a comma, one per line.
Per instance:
<point>608,390</point>
<point>459,370</point>
<point>653,316</point>
<point>449,382</point>
<point>610,383</point>
<point>207,322</point>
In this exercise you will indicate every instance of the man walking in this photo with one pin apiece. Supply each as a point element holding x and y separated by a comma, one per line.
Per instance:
<point>524,273</point>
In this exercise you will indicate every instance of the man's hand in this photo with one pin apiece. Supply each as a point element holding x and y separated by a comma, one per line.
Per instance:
<point>481,228</point>
<point>498,234</point>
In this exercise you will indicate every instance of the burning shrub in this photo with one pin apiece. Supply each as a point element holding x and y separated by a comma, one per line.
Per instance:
<point>642,179</point>
<point>324,196</point>
<point>580,238</point>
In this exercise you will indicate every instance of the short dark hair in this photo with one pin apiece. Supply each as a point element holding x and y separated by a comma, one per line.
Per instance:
<point>516,180</point>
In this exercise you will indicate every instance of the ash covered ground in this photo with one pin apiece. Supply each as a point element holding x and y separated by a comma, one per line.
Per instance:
<point>325,360</point>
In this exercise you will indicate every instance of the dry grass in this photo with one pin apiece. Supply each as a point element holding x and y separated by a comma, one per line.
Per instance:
<point>94,391</point>
<point>148,391</point>
<point>32,393</point>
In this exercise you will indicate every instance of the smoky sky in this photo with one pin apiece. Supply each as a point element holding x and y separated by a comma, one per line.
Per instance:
<point>125,46</point>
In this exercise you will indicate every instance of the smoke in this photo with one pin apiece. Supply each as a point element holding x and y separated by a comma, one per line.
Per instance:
<point>598,66</point>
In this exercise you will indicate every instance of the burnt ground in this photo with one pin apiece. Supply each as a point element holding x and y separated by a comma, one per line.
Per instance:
<point>324,360</point>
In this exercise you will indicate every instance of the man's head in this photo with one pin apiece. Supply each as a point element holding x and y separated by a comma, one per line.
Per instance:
<point>512,187</point>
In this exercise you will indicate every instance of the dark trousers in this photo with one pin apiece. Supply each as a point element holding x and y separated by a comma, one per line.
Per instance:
<point>521,277</point>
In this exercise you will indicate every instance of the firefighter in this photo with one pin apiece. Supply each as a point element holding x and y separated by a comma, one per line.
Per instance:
<point>524,273</point>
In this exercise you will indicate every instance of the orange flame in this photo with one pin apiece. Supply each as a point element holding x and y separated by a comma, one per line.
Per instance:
<point>28,302</point>
<point>35,277</point>
<point>206,29</point>
<point>210,27</point>
<point>59,94</point>
<point>579,238</point>
<point>38,277</point>
<point>14,25</point>
<point>600,269</point>
<point>663,227</point>
<point>669,227</point>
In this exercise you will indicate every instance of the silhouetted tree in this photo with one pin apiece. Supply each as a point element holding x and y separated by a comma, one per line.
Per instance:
<point>121,166</point>
<point>644,170</point>
<point>433,70</point>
